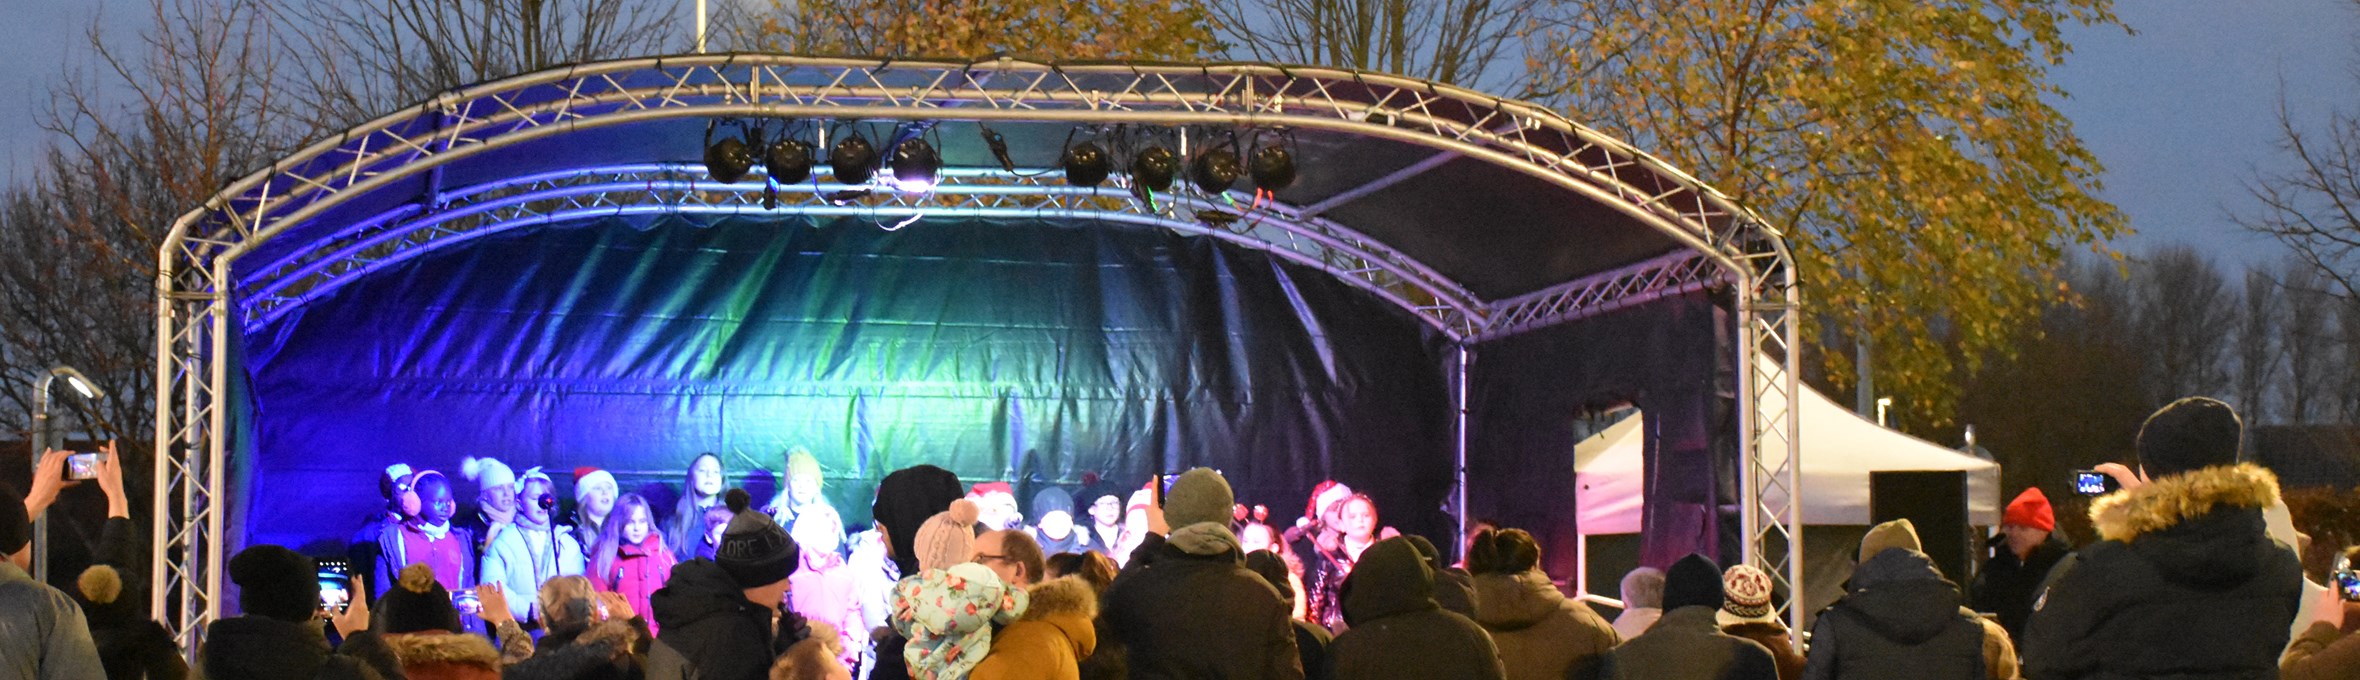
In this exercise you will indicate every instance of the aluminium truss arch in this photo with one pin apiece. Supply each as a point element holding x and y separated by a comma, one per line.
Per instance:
<point>485,159</point>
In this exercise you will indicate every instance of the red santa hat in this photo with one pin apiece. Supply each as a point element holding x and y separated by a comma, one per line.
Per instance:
<point>587,478</point>
<point>988,488</point>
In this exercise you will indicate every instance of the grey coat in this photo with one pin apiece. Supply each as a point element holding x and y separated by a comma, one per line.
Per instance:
<point>42,633</point>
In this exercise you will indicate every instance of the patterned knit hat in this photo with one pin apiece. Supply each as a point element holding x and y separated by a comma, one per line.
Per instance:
<point>1745,596</point>
<point>948,615</point>
<point>948,537</point>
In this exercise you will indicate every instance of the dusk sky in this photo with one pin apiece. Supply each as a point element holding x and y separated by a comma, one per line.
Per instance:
<point>2180,113</point>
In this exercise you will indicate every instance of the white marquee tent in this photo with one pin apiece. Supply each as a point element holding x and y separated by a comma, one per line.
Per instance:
<point>1840,449</point>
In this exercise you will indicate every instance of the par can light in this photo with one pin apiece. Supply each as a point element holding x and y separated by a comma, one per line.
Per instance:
<point>1086,165</point>
<point>854,160</point>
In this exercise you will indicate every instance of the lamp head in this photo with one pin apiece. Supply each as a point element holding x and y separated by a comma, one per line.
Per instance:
<point>81,383</point>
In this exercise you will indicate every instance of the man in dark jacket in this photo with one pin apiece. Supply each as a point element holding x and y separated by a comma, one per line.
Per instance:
<point>1195,611</point>
<point>1687,643</point>
<point>722,619</point>
<point>2186,582</point>
<point>1454,588</point>
<point>1398,631</point>
<point>275,640</point>
<point>2026,548</point>
<point>1901,619</point>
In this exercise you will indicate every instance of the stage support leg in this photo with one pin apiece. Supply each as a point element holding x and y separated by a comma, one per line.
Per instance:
<point>1461,369</point>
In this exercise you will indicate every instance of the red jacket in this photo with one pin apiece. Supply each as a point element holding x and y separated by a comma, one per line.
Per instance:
<point>638,572</point>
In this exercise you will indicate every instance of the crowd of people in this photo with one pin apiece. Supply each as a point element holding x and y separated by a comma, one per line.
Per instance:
<point>2194,577</point>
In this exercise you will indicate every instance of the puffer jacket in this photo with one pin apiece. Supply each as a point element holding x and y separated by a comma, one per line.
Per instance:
<point>2185,584</point>
<point>262,648</point>
<point>1900,620</point>
<point>2007,584</point>
<point>1399,631</point>
<point>1539,631</point>
<point>711,627</point>
<point>639,571</point>
<point>1050,640</point>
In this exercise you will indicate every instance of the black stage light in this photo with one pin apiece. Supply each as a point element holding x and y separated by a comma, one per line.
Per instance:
<point>916,165</point>
<point>1214,171</point>
<point>853,160</point>
<point>789,160</point>
<point>728,160</point>
<point>1154,168</point>
<point>1273,168</point>
<point>1086,165</point>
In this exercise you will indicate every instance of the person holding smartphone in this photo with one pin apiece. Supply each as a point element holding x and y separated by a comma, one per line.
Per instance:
<point>2328,649</point>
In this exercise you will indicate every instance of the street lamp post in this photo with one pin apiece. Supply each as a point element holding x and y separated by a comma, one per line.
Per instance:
<point>81,385</point>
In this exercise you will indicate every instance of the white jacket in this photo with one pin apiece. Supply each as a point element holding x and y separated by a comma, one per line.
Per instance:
<point>517,558</point>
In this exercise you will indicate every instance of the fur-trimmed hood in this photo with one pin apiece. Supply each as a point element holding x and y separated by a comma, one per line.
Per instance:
<point>2171,501</point>
<point>1071,605</point>
<point>2203,529</point>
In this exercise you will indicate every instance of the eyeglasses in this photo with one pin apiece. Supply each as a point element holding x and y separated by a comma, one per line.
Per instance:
<point>979,557</point>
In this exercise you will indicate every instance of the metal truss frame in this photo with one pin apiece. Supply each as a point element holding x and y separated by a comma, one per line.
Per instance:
<point>201,301</point>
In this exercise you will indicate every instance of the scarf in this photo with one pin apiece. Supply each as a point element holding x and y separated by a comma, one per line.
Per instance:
<point>433,531</point>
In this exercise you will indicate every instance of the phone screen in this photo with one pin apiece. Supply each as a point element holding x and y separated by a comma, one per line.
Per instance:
<point>2349,583</point>
<point>82,466</point>
<point>335,586</point>
<point>2090,483</point>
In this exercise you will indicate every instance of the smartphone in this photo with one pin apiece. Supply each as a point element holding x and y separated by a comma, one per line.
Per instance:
<point>335,586</point>
<point>2093,483</point>
<point>1162,484</point>
<point>2348,583</point>
<point>82,466</point>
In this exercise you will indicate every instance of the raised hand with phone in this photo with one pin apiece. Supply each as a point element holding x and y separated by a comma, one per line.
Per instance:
<point>59,470</point>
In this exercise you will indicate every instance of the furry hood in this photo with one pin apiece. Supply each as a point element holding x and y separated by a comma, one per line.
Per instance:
<point>2168,502</point>
<point>1061,597</point>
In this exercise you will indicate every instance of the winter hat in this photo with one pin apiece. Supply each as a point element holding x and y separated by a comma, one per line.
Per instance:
<point>587,478</point>
<point>1898,533</point>
<point>1643,587</point>
<point>487,472</point>
<point>1327,493</point>
<point>1745,596</point>
<point>1200,495</point>
<point>16,528</point>
<point>2189,434</point>
<point>417,604</point>
<point>948,616</point>
<point>948,537</point>
<point>1694,581</point>
<point>100,584</point>
<point>2031,509</point>
<point>393,475</point>
<point>905,499</point>
<point>274,582</point>
<point>753,549</point>
<point>988,488</point>
<point>1051,499</point>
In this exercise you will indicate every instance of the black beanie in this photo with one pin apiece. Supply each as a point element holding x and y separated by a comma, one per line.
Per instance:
<point>1694,581</point>
<point>16,529</point>
<point>275,582</point>
<point>1051,499</point>
<point>905,499</point>
<point>2189,434</point>
<point>754,550</point>
<point>417,604</point>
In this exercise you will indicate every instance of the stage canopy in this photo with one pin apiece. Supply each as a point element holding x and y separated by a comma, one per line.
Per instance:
<point>1840,449</point>
<point>545,269</point>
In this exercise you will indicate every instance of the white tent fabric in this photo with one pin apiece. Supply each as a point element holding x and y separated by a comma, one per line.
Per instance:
<point>1840,449</point>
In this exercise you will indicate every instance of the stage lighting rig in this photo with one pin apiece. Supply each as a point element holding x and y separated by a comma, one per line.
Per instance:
<point>854,160</point>
<point>916,166</point>
<point>1273,167</point>
<point>731,158</point>
<point>789,160</point>
<point>1215,170</point>
<point>1086,165</point>
<point>1155,167</point>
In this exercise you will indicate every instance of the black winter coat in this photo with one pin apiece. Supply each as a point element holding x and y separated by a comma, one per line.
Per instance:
<point>1398,631</point>
<point>2008,584</point>
<point>263,648</point>
<point>707,621</point>
<point>2187,584</point>
<point>1686,644</point>
<point>1198,616</point>
<point>1901,620</point>
<point>131,647</point>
